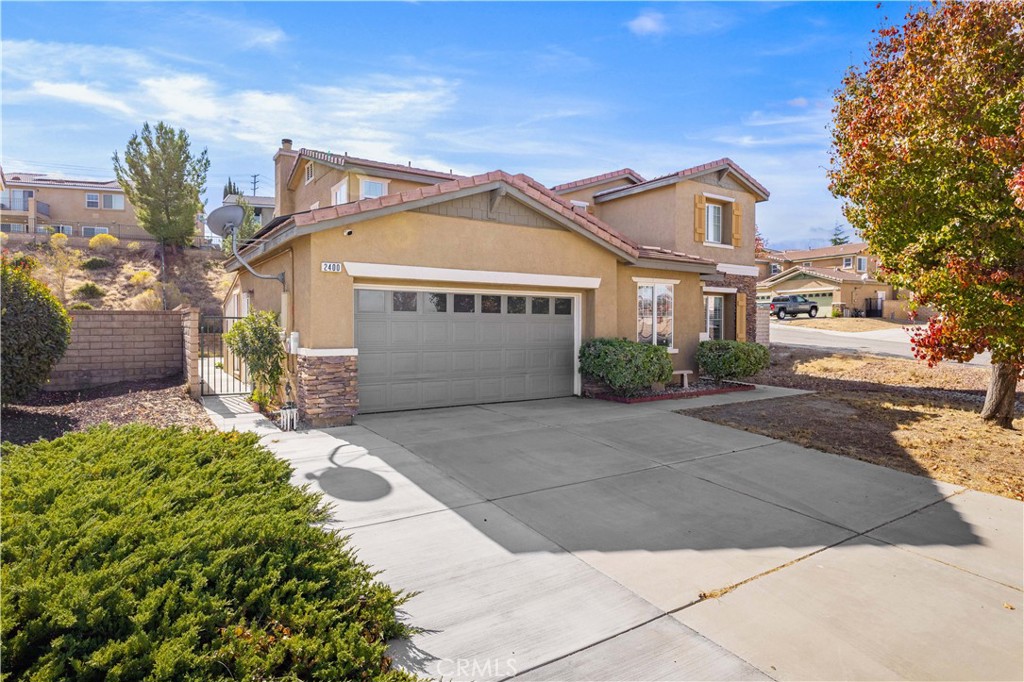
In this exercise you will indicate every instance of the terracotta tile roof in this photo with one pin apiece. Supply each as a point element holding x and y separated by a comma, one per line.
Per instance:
<point>825,273</point>
<point>851,249</point>
<point>596,179</point>
<point>695,171</point>
<point>345,159</point>
<point>525,184</point>
<point>657,252</point>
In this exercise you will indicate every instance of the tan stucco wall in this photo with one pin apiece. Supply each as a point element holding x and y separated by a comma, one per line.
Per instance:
<point>67,207</point>
<point>687,310</point>
<point>649,218</point>
<point>325,178</point>
<point>323,302</point>
<point>741,255</point>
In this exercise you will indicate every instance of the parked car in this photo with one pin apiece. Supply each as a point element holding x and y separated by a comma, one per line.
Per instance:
<point>784,306</point>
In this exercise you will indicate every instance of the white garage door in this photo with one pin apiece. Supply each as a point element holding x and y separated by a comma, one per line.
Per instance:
<point>434,348</point>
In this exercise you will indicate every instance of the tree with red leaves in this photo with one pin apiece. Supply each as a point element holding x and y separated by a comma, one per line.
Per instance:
<point>927,152</point>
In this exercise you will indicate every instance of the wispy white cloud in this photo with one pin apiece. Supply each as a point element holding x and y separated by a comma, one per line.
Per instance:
<point>374,121</point>
<point>648,23</point>
<point>799,102</point>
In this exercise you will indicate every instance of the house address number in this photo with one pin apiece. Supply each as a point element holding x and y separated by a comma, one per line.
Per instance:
<point>330,267</point>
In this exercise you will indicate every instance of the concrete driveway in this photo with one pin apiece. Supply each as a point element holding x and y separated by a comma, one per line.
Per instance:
<point>573,539</point>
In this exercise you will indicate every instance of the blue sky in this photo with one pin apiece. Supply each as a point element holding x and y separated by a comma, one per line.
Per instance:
<point>555,90</point>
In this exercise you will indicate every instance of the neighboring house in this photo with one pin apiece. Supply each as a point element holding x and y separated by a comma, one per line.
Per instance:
<point>410,288</point>
<point>33,205</point>
<point>262,207</point>
<point>830,275</point>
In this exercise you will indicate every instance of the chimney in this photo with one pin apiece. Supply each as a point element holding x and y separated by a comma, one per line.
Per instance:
<point>286,144</point>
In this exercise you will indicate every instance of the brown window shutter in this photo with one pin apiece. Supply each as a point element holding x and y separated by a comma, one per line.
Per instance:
<point>737,225</point>
<point>741,317</point>
<point>699,217</point>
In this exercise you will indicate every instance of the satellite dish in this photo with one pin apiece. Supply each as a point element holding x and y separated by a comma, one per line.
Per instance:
<point>225,220</point>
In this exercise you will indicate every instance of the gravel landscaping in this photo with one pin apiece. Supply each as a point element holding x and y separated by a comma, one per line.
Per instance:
<point>159,402</point>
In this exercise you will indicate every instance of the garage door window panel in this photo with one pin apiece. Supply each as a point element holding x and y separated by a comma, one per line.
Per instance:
<point>563,306</point>
<point>436,303</point>
<point>540,306</point>
<point>490,304</point>
<point>516,305</point>
<point>404,301</point>
<point>465,303</point>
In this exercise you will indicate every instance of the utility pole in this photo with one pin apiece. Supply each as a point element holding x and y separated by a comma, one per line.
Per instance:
<point>255,182</point>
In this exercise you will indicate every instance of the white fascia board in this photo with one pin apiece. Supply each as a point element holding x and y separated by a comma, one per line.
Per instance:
<point>744,270</point>
<point>719,290</point>
<point>416,272</point>
<point>652,280</point>
<point>327,352</point>
<point>719,197</point>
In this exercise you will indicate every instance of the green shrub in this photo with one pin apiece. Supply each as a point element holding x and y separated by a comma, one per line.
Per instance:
<point>141,553</point>
<point>134,247</point>
<point>96,263</point>
<point>36,332</point>
<point>89,290</point>
<point>731,359</point>
<point>627,367</point>
<point>81,305</point>
<point>257,340</point>
<point>837,311</point>
<point>103,243</point>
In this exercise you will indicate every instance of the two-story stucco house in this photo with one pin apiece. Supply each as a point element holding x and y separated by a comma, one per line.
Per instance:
<point>407,288</point>
<point>833,276</point>
<point>32,205</point>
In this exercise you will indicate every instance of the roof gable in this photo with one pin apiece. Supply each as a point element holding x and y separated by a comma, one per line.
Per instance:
<point>839,276</point>
<point>630,176</point>
<point>356,164</point>
<point>721,166</point>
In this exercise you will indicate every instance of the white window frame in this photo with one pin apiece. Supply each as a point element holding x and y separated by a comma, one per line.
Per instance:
<point>669,284</point>
<point>362,186</point>
<point>96,229</point>
<point>112,197</point>
<point>707,317</point>
<point>775,268</point>
<point>806,264</point>
<point>709,236</point>
<point>309,172</point>
<point>847,261</point>
<point>862,264</point>
<point>89,202</point>
<point>339,193</point>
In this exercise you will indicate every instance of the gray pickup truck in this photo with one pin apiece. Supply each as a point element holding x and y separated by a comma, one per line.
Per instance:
<point>784,306</point>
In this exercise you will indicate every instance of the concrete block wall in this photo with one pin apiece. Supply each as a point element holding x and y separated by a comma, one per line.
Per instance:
<point>108,346</point>
<point>190,343</point>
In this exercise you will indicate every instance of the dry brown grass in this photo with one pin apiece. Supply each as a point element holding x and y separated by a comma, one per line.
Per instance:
<point>199,275</point>
<point>888,411</point>
<point>844,324</point>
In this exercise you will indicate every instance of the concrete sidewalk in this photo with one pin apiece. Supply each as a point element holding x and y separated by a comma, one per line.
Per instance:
<point>573,539</point>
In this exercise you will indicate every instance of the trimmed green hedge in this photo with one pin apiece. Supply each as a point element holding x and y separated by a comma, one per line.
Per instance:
<point>731,359</point>
<point>141,553</point>
<point>36,333</point>
<point>627,367</point>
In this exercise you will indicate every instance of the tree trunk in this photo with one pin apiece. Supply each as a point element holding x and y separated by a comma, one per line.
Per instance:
<point>163,277</point>
<point>1002,395</point>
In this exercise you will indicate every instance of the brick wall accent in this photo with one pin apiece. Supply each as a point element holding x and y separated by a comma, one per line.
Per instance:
<point>327,389</point>
<point>190,343</point>
<point>763,319</point>
<point>108,346</point>
<point>747,285</point>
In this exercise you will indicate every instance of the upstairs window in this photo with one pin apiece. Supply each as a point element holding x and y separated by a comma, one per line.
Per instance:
<point>340,192</point>
<point>713,226</point>
<point>309,172</point>
<point>776,268</point>
<point>92,200</point>
<point>806,264</point>
<point>862,264</point>
<point>848,262</point>
<point>371,189</point>
<point>113,202</point>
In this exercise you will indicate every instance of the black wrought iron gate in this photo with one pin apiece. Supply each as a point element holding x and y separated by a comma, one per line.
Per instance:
<point>220,371</point>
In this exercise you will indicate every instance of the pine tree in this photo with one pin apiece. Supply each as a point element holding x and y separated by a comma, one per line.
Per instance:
<point>231,188</point>
<point>839,236</point>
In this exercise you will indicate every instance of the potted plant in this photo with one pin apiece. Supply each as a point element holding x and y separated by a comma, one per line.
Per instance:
<point>257,341</point>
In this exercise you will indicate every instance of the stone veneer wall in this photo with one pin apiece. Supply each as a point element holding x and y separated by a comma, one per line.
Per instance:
<point>327,389</point>
<point>109,346</point>
<point>748,286</point>
<point>763,320</point>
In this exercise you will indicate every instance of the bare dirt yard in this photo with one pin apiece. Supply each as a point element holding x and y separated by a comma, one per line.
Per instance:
<point>889,411</point>
<point>844,324</point>
<point>161,402</point>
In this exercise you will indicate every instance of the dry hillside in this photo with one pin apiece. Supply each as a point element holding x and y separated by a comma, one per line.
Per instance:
<point>131,280</point>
